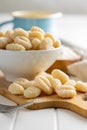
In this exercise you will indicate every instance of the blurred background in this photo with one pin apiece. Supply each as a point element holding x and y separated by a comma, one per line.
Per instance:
<point>73,25</point>
<point>66,6</point>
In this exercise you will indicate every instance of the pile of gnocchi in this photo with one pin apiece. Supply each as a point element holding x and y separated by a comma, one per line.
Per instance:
<point>21,40</point>
<point>57,82</point>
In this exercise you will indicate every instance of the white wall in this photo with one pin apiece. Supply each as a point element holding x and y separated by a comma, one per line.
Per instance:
<point>66,6</point>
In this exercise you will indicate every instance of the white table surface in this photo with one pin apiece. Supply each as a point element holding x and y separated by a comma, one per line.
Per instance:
<point>72,28</point>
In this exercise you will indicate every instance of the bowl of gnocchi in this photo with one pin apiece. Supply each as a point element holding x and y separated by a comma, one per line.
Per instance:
<point>27,53</point>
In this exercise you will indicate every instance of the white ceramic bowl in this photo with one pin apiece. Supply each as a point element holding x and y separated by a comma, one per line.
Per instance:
<point>27,64</point>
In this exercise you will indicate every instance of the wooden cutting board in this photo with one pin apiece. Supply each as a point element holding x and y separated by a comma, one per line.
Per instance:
<point>77,104</point>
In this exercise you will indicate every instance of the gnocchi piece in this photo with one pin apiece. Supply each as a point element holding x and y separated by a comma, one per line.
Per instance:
<point>23,41</point>
<point>36,34</point>
<point>9,35</point>
<point>32,92</point>
<point>63,77</point>
<point>15,88</point>
<point>81,86</point>
<point>71,83</point>
<point>15,47</point>
<point>66,91</point>
<point>3,42</point>
<point>32,83</point>
<point>48,35</point>
<point>44,84</point>
<point>42,74</point>
<point>25,82</point>
<point>20,32</point>
<point>35,28</point>
<point>57,44</point>
<point>35,43</point>
<point>46,44</point>
<point>56,83</point>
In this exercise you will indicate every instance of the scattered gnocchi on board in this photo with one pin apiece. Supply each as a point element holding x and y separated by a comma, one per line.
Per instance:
<point>57,82</point>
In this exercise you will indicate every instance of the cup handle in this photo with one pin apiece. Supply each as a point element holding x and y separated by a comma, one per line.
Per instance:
<point>6,22</point>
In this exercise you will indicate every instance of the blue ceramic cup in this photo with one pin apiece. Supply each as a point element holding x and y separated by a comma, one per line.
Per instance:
<point>26,19</point>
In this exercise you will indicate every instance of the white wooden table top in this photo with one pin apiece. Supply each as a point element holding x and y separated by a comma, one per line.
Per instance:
<point>74,29</point>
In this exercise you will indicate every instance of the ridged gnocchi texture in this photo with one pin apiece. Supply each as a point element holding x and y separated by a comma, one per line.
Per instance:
<point>46,44</point>
<point>15,47</point>
<point>63,91</point>
<point>33,39</point>
<point>36,34</point>
<point>32,92</point>
<point>57,82</point>
<point>24,41</point>
<point>9,35</point>
<point>71,82</point>
<point>48,35</point>
<point>23,86</point>
<point>3,42</point>
<point>20,32</point>
<point>81,86</point>
<point>36,43</point>
<point>25,82</point>
<point>56,73</point>
<point>15,88</point>
<point>44,84</point>
<point>66,91</point>
<point>42,74</point>
<point>35,28</point>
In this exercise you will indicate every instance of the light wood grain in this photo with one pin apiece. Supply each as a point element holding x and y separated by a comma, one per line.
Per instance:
<point>63,63</point>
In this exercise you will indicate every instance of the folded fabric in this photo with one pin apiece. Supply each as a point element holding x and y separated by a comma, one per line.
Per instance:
<point>79,69</point>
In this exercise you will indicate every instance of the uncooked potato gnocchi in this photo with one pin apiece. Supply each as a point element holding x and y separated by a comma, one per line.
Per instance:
<point>36,34</point>
<point>57,43</point>
<point>35,28</point>
<point>24,41</point>
<point>34,39</point>
<point>20,32</point>
<point>48,35</point>
<point>9,35</point>
<point>71,82</point>
<point>3,42</point>
<point>15,88</point>
<point>57,82</point>
<point>15,47</point>
<point>32,92</point>
<point>56,73</point>
<point>46,44</point>
<point>36,43</point>
<point>81,86</point>
<point>25,82</point>
<point>44,84</point>
<point>66,91</point>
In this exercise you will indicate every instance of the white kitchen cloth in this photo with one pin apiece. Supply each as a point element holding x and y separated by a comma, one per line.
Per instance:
<point>79,69</point>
